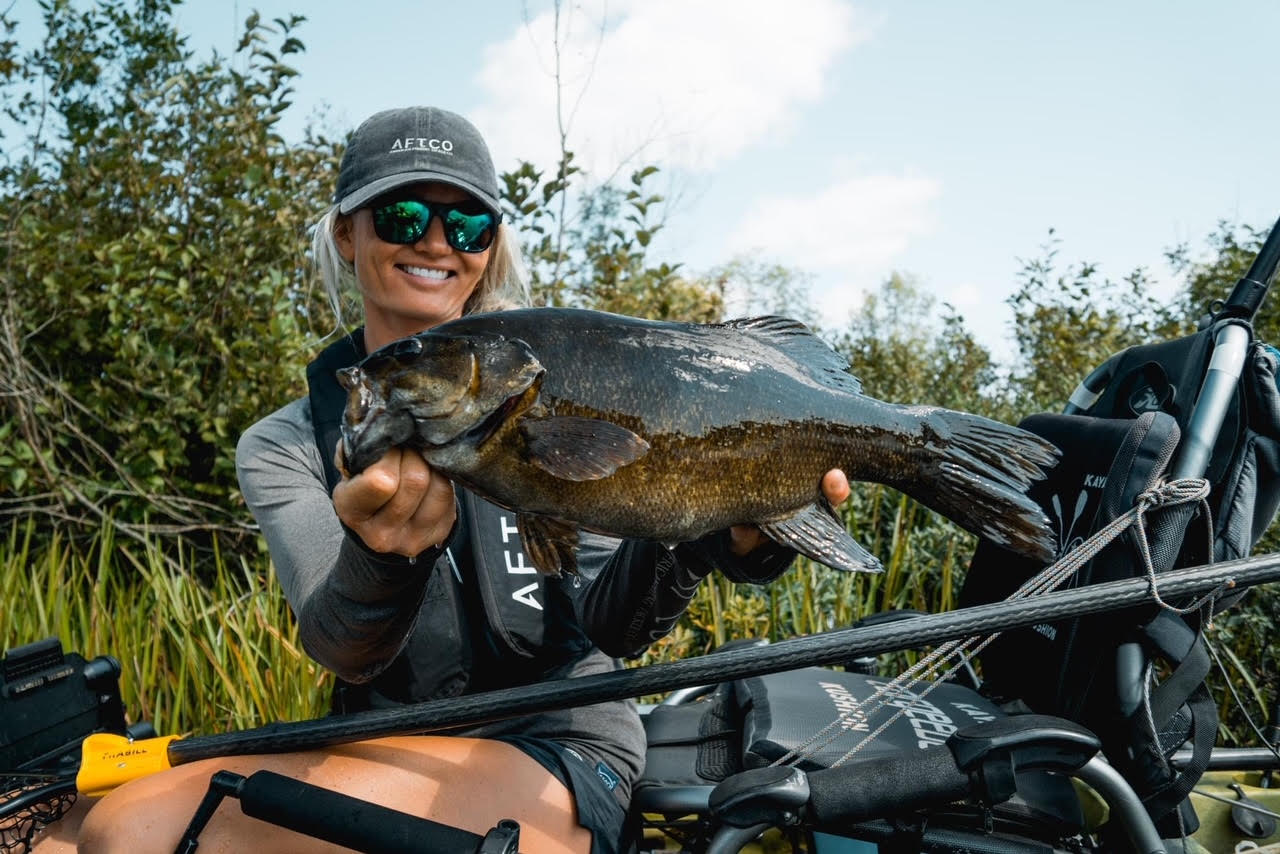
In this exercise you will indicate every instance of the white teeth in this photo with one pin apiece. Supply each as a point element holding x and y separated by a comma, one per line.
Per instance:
<point>425,272</point>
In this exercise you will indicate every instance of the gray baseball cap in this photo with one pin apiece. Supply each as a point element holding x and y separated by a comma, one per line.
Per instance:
<point>409,145</point>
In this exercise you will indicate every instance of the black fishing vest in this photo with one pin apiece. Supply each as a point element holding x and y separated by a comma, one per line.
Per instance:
<point>528,625</point>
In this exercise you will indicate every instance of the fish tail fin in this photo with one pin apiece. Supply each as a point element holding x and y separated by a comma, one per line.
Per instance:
<point>977,473</point>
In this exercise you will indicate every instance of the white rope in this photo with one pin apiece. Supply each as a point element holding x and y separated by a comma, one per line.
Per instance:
<point>1167,494</point>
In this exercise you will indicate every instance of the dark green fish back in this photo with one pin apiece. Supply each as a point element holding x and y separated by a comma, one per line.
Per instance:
<point>689,379</point>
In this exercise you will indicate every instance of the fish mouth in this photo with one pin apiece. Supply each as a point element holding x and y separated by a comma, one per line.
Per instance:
<point>364,444</point>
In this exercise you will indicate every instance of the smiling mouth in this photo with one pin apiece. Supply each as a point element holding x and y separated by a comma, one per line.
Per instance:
<point>425,272</point>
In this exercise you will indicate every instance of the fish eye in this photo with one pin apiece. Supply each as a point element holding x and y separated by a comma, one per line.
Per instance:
<point>349,378</point>
<point>359,394</point>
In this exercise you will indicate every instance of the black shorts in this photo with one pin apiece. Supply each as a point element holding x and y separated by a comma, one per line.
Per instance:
<point>592,787</point>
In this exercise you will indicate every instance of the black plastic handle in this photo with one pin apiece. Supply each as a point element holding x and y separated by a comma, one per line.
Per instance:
<point>344,820</point>
<point>1030,741</point>
<point>978,761</point>
<point>1247,296</point>
<point>886,785</point>
<point>769,795</point>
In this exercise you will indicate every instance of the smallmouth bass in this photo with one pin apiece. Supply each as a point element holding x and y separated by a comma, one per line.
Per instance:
<point>668,431</point>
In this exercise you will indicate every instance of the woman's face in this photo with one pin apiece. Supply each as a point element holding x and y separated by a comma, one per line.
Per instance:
<point>408,288</point>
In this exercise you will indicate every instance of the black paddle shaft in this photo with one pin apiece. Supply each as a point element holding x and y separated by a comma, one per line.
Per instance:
<point>827,648</point>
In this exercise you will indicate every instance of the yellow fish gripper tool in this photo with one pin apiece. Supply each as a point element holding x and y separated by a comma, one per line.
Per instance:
<point>108,761</point>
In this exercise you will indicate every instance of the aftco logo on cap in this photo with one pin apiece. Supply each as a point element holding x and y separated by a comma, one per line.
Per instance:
<point>418,143</point>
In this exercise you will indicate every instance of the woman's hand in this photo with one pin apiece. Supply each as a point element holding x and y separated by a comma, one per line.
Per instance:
<point>398,505</point>
<point>744,538</point>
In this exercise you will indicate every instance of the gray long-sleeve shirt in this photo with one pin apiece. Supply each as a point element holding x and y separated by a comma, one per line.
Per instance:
<point>358,611</point>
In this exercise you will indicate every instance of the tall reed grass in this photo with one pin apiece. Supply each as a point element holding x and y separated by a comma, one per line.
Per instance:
<point>205,640</point>
<point>920,554</point>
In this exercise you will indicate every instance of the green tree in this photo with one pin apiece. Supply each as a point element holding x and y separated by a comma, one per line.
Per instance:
<point>908,348</point>
<point>594,252</point>
<point>152,274</point>
<point>764,287</point>
<point>1068,322</point>
<point>1209,279</point>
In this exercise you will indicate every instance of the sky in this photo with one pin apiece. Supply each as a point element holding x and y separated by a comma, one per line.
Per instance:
<point>846,140</point>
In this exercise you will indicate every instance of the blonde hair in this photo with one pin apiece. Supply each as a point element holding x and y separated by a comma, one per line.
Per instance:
<point>503,284</point>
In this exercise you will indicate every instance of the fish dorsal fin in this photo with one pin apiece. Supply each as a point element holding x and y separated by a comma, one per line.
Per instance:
<point>798,341</point>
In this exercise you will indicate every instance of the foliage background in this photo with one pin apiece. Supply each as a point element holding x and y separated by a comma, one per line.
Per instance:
<point>157,300</point>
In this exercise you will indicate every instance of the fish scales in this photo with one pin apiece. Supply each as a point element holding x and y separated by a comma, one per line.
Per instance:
<point>668,431</point>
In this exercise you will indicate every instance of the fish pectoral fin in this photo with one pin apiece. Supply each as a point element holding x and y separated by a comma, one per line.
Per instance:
<point>552,544</point>
<point>575,448</point>
<point>817,534</point>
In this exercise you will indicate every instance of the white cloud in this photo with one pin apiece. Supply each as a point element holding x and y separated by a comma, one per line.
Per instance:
<point>834,301</point>
<point>856,226</point>
<point>966,296</point>
<point>849,236</point>
<point>692,82</point>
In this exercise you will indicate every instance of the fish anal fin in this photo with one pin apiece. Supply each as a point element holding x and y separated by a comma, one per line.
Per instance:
<point>550,544</point>
<point>578,449</point>
<point>817,534</point>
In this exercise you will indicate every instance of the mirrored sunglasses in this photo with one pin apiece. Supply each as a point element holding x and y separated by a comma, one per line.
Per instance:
<point>468,226</point>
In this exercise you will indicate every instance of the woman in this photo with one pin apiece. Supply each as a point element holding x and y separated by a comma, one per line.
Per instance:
<point>411,589</point>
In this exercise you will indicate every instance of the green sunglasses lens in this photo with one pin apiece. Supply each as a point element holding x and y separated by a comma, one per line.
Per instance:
<point>468,232</point>
<point>405,221</point>
<point>401,222</point>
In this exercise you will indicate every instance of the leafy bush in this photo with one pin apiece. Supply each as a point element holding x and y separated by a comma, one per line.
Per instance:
<point>155,293</point>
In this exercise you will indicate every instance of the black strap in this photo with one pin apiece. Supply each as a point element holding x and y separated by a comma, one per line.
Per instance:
<point>1179,644</point>
<point>1204,729</point>
<point>1169,637</point>
<point>514,596</point>
<point>328,399</point>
